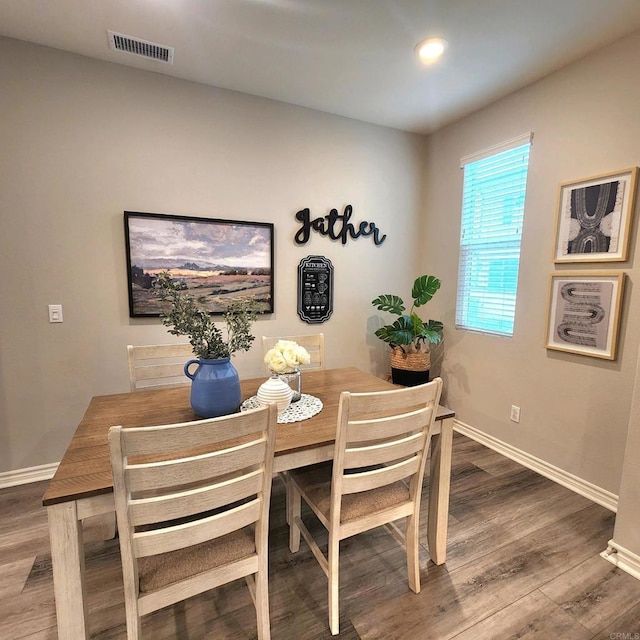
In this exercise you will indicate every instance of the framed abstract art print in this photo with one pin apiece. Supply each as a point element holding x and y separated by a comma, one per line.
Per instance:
<point>584,312</point>
<point>594,218</point>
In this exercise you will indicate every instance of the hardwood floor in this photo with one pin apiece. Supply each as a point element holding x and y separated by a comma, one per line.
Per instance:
<point>522,563</point>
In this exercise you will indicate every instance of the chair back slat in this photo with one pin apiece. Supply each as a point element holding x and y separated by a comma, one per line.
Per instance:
<point>165,439</point>
<point>153,351</point>
<point>156,371</point>
<point>159,475</point>
<point>373,479</point>
<point>387,402</point>
<point>172,538</point>
<point>196,500</point>
<point>387,427</point>
<point>383,452</point>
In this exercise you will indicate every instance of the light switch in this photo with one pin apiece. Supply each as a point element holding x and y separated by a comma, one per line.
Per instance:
<point>55,313</point>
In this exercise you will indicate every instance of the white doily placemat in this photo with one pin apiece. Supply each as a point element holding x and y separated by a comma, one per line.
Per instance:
<point>307,407</point>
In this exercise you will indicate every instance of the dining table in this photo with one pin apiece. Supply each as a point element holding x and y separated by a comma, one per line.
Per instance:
<point>82,486</point>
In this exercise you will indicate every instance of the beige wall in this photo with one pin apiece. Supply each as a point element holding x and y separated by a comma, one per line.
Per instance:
<point>627,532</point>
<point>575,409</point>
<point>82,141</point>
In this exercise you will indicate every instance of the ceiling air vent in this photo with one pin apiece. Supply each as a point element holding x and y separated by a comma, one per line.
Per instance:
<point>138,47</point>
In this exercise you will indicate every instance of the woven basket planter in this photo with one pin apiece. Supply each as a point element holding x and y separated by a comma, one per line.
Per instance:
<point>410,369</point>
<point>410,361</point>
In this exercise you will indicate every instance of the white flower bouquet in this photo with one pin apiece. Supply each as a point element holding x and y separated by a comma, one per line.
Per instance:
<point>286,356</point>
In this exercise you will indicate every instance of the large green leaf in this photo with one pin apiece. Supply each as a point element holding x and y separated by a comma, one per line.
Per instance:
<point>384,333</point>
<point>424,289</point>
<point>400,332</point>
<point>432,331</point>
<point>434,325</point>
<point>387,302</point>
<point>417,325</point>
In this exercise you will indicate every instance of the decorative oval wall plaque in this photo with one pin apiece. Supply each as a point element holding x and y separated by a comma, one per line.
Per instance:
<point>315,289</point>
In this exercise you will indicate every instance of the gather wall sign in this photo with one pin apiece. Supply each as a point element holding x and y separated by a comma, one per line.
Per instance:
<point>336,226</point>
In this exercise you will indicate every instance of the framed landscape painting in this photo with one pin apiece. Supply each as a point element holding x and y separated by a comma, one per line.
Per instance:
<point>215,260</point>
<point>584,312</point>
<point>594,218</point>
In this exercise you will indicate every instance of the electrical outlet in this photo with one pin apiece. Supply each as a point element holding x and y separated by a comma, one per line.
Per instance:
<point>515,413</point>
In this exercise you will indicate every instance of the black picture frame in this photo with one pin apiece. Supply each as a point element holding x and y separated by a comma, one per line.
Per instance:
<point>315,289</point>
<point>218,260</point>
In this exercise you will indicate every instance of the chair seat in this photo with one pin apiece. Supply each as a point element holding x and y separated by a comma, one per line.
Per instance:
<point>315,482</point>
<point>161,570</point>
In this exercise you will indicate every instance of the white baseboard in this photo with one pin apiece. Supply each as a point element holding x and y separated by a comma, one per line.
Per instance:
<point>25,476</point>
<point>586,489</point>
<point>622,558</point>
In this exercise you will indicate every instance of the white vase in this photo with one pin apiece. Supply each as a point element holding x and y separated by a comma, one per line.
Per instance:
<point>275,390</point>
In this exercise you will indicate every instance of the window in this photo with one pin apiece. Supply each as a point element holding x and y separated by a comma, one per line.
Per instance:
<point>495,182</point>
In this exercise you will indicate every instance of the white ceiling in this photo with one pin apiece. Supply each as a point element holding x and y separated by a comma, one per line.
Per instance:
<point>349,57</point>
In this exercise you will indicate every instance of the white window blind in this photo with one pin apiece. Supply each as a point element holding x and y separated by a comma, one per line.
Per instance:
<point>493,199</point>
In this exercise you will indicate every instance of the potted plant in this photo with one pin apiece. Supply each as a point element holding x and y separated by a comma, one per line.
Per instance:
<point>215,387</point>
<point>410,337</point>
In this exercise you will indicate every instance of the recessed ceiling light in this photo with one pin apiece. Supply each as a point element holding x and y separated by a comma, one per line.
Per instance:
<point>431,49</point>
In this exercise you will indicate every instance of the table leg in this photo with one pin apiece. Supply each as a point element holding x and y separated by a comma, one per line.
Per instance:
<point>67,558</point>
<point>439,485</point>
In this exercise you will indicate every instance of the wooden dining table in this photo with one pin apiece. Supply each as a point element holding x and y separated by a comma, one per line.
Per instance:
<point>82,486</point>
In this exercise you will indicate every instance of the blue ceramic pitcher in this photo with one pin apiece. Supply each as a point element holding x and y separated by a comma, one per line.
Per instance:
<point>215,387</point>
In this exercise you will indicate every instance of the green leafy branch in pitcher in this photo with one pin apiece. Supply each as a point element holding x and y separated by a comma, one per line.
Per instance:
<point>186,318</point>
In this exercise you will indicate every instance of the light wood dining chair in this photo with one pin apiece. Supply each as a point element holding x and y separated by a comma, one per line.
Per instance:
<point>150,366</point>
<point>314,344</point>
<point>376,477</point>
<point>158,365</point>
<point>192,502</point>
